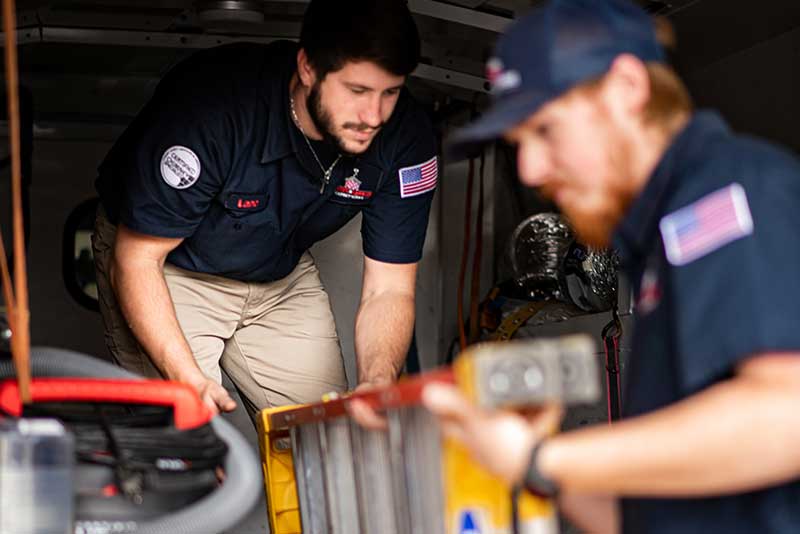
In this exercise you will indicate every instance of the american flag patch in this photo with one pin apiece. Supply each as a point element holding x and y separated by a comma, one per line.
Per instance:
<point>710,223</point>
<point>419,179</point>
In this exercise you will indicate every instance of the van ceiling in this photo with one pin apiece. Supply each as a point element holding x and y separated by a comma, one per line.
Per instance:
<point>96,61</point>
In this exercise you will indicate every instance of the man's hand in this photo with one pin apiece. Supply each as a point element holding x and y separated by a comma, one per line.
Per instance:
<point>213,395</point>
<point>501,441</point>
<point>362,413</point>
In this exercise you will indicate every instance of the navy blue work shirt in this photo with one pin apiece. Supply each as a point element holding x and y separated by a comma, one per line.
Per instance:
<point>214,158</point>
<point>711,245</point>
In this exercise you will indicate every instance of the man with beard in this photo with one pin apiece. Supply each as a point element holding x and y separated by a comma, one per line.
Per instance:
<point>705,223</point>
<point>244,157</point>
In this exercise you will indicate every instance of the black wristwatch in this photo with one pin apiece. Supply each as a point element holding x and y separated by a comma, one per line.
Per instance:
<point>534,481</point>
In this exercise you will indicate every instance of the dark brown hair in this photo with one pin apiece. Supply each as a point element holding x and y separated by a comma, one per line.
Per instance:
<point>338,31</point>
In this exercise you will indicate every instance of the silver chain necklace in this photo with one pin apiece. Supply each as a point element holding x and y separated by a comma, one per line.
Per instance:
<point>326,172</point>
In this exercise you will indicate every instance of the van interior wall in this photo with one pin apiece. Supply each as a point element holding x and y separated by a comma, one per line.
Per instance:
<point>452,197</point>
<point>63,176</point>
<point>756,88</point>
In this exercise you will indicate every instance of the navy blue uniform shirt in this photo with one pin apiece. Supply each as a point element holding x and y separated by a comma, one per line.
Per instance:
<point>214,158</point>
<point>712,248</point>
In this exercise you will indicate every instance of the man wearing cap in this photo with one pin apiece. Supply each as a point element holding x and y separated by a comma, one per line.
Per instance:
<point>246,155</point>
<point>702,219</point>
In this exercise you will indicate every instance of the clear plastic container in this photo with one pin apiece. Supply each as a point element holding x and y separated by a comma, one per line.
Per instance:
<point>36,477</point>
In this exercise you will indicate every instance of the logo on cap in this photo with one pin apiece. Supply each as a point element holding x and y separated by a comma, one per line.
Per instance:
<point>502,80</point>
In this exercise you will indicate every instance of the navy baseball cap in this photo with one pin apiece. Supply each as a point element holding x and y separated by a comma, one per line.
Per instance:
<point>549,51</point>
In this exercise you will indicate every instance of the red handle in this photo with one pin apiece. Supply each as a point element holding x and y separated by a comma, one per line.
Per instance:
<point>188,410</point>
<point>407,392</point>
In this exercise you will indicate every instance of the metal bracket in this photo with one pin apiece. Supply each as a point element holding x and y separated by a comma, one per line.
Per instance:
<point>460,15</point>
<point>451,13</point>
<point>51,34</point>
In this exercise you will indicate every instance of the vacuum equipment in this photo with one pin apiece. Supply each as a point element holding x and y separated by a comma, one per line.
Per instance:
<point>148,457</point>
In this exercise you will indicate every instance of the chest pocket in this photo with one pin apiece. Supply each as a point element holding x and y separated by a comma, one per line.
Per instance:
<point>359,185</point>
<point>251,209</point>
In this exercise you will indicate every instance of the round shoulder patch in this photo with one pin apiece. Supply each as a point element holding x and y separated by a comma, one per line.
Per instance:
<point>180,167</point>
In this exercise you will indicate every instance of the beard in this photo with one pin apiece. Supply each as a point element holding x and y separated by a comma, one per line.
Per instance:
<point>592,229</point>
<point>596,216</point>
<point>323,121</point>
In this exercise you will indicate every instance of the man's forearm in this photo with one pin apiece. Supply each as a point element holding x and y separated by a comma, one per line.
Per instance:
<point>593,514</point>
<point>146,304</point>
<point>384,327</point>
<point>705,445</point>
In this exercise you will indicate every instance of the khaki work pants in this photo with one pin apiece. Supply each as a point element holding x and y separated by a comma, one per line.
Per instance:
<point>276,341</point>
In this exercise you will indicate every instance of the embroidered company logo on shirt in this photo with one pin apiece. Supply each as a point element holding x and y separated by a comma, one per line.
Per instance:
<point>649,292</point>
<point>352,188</point>
<point>180,167</point>
<point>419,179</point>
<point>710,223</point>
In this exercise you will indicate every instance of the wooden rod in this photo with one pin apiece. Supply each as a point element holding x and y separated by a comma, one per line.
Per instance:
<point>20,334</point>
<point>5,279</point>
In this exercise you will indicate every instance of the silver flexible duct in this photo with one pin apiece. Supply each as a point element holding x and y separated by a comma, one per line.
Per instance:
<point>537,252</point>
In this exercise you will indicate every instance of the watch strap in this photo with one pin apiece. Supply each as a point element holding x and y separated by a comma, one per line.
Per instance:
<point>534,481</point>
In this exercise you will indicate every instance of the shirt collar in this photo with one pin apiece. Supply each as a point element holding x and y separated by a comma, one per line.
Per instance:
<point>635,234</point>
<point>282,136</point>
